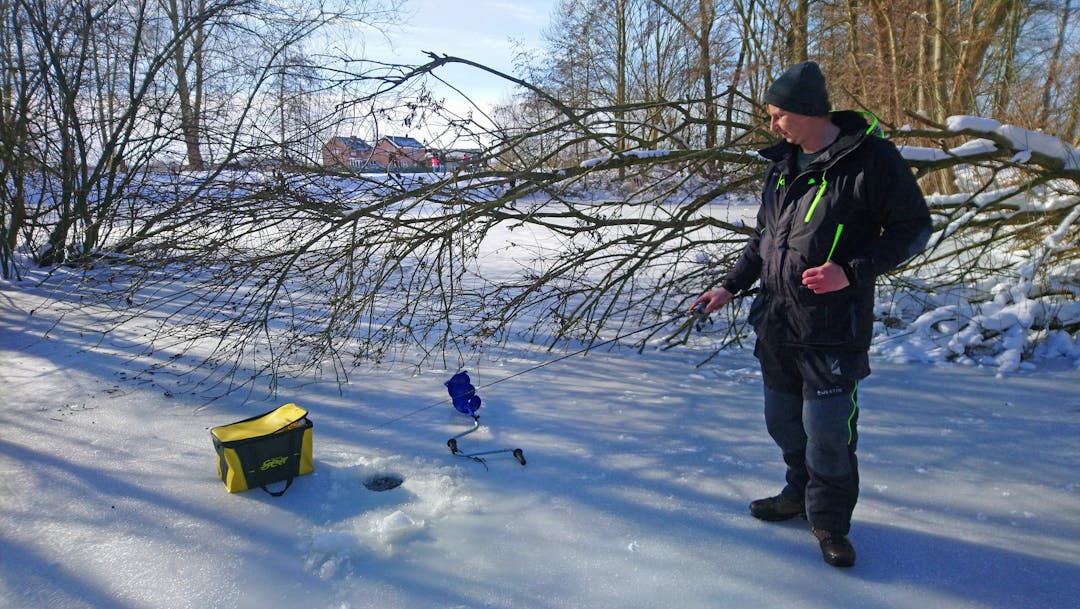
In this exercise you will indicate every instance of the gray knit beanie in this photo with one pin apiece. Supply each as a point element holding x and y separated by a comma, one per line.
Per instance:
<point>800,90</point>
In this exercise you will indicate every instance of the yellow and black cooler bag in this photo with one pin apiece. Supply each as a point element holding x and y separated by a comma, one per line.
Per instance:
<point>265,449</point>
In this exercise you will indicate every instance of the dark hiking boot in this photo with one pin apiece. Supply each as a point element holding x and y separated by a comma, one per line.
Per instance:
<point>775,509</point>
<point>836,549</point>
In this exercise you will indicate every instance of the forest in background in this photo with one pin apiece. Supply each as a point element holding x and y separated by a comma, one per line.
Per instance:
<point>912,62</point>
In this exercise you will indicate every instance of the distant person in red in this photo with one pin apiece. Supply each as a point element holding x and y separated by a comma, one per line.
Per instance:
<point>435,165</point>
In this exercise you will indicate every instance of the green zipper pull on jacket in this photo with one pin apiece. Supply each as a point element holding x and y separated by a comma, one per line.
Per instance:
<point>836,239</point>
<point>817,199</point>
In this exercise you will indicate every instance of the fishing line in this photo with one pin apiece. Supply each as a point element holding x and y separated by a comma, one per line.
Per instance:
<point>697,319</point>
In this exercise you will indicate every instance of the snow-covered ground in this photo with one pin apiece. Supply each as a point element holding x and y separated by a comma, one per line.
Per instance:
<point>640,468</point>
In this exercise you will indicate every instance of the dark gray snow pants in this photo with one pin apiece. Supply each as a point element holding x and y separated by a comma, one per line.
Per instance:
<point>812,413</point>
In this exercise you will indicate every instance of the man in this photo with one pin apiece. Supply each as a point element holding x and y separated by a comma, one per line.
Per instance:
<point>839,207</point>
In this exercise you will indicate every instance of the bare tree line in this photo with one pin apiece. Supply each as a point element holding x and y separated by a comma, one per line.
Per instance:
<point>909,60</point>
<point>95,94</point>
<point>163,140</point>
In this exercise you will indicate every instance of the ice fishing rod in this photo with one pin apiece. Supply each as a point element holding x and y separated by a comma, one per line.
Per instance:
<point>466,401</point>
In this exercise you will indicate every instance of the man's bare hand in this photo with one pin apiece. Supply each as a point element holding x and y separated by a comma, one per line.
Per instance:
<point>826,278</point>
<point>713,300</point>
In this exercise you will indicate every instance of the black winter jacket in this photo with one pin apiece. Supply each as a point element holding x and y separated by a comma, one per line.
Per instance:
<point>859,205</point>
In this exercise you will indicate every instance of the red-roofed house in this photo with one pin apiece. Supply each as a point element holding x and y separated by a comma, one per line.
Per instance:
<point>348,151</point>
<point>395,152</point>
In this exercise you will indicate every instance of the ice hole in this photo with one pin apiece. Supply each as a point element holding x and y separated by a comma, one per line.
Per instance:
<point>383,482</point>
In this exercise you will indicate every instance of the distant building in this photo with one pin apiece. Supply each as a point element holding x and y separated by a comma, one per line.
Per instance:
<point>347,151</point>
<point>393,152</point>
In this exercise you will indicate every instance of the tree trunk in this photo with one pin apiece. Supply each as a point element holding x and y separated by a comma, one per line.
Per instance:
<point>983,26</point>
<point>887,49</point>
<point>860,82</point>
<point>799,36</point>
<point>189,116</point>
<point>621,59</point>
<point>736,82</point>
<point>1071,132</point>
<point>940,96</point>
<point>706,17</point>
<point>1055,64</point>
<point>1007,71</point>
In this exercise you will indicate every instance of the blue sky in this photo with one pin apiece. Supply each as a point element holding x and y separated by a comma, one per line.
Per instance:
<point>479,30</point>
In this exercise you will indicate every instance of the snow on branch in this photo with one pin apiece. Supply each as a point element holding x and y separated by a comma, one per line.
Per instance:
<point>993,140</point>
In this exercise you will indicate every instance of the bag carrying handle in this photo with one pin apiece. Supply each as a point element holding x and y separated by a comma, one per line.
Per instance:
<point>288,483</point>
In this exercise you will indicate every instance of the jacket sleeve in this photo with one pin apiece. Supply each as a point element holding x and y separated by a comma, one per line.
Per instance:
<point>902,213</point>
<point>747,268</point>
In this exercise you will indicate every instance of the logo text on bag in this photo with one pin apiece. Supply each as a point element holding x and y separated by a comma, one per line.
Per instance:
<point>274,462</point>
